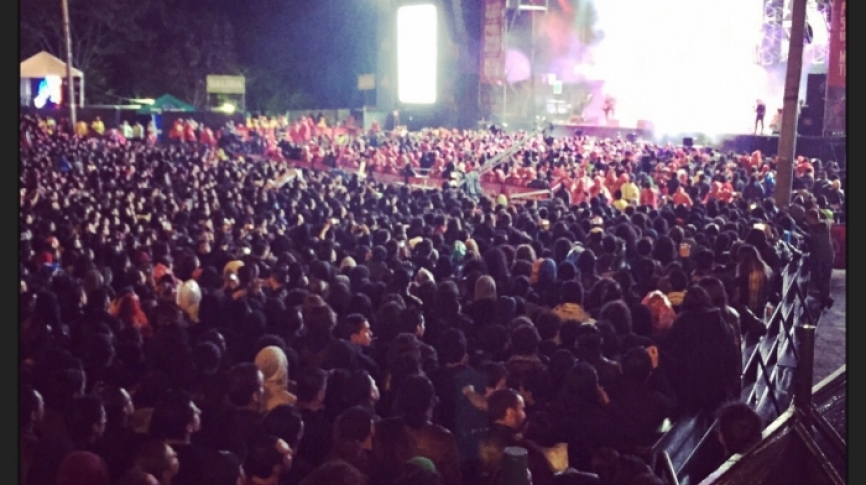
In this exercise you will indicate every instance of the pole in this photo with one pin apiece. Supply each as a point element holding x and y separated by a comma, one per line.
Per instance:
<point>788,132</point>
<point>69,79</point>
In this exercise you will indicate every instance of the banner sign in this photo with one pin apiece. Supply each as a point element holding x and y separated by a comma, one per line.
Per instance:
<point>492,41</point>
<point>836,70</point>
<point>226,84</point>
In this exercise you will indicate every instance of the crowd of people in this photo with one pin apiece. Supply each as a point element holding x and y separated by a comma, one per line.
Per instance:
<point>193,316</point>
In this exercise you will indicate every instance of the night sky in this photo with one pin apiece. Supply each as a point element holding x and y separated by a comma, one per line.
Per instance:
<point>295,54</point>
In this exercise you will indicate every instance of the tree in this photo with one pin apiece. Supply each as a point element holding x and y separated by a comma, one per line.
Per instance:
<point>200,44</point>
<point>101,31</point>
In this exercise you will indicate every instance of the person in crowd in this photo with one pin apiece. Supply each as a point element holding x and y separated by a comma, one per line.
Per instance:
<point>243,417</point>
<point>317,437</point>
<point>174,421</point>
<point>269,459</point>
<point>274,365</point>
<point>821,255</point>
<point>83,467</point>
<point>183,293</point>
<point>159,460</point>
<point>411,433</point>
<point>738,430</point>
<point>507,416</point>
<point>700,356</point>
<point>353,438</point>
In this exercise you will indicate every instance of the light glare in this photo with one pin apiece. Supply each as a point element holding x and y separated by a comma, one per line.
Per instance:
<point>697,75</point>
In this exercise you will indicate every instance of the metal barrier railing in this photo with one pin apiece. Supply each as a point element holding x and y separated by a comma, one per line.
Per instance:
<point>778,372</point>
<point>664,469</point>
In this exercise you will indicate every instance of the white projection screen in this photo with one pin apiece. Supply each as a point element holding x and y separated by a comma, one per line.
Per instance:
<point>417,29</point>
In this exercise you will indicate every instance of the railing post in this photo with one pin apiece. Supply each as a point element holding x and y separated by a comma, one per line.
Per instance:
<point>805,369</point>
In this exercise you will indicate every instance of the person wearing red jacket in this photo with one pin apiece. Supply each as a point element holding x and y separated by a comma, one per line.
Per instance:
<point>177,132</point>
<point>207,137</point>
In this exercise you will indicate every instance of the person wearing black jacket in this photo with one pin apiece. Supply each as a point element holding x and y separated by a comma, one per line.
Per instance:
<point>754,191</point>
<point>643,397</point>
<point>699,355</point>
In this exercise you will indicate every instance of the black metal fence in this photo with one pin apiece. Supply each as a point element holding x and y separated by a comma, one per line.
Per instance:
<point>777,371</point>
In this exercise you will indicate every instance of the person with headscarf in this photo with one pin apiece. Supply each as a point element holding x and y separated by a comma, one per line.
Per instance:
<point>482,308</point>
<point>543,281</point>
<point>274,365</point>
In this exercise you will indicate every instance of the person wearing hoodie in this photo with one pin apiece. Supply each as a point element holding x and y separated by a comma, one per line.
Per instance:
<point>571,303</point>
<point>700,356</point>
<point>274,365</point>
<point>544,282</point>
<point>821,255</point>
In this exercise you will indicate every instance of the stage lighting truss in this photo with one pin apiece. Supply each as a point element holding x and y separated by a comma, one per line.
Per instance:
<point>776,27</point>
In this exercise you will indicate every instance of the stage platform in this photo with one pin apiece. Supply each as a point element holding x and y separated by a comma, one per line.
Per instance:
<point>823,148</point>
<point>568,129</point>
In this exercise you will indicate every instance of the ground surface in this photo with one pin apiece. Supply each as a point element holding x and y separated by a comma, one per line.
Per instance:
<point>830,336</point>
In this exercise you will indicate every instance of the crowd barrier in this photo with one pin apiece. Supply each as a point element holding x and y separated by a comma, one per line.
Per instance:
<point>777,367</point>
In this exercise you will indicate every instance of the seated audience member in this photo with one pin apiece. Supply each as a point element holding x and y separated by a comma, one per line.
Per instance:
<point>196,295</point>
<point>410,433</point>
<point>317,437</point>
<point>353,438</point>
<point>739,430</point>
<point>223,468</point>
<point>269,459</point>
<point>174,421</point>
<point>507,415</point>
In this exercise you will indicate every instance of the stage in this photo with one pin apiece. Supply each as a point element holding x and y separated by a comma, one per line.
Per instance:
<point>602,131</point>
<point>821,147</point>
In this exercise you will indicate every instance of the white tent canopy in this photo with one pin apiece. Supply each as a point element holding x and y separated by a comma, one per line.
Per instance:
<point>43,65</point>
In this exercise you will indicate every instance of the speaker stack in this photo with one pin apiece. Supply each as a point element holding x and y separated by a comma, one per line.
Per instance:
<point>811,120</point>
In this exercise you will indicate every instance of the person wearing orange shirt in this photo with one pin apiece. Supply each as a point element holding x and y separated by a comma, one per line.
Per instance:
<point>680,197</point>
<point>803,164</point>
<point>649,195</point>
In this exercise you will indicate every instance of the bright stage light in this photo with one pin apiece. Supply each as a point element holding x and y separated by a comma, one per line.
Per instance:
<point>227,108</point>
<point>417,54</point>
<point>698,76</point>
